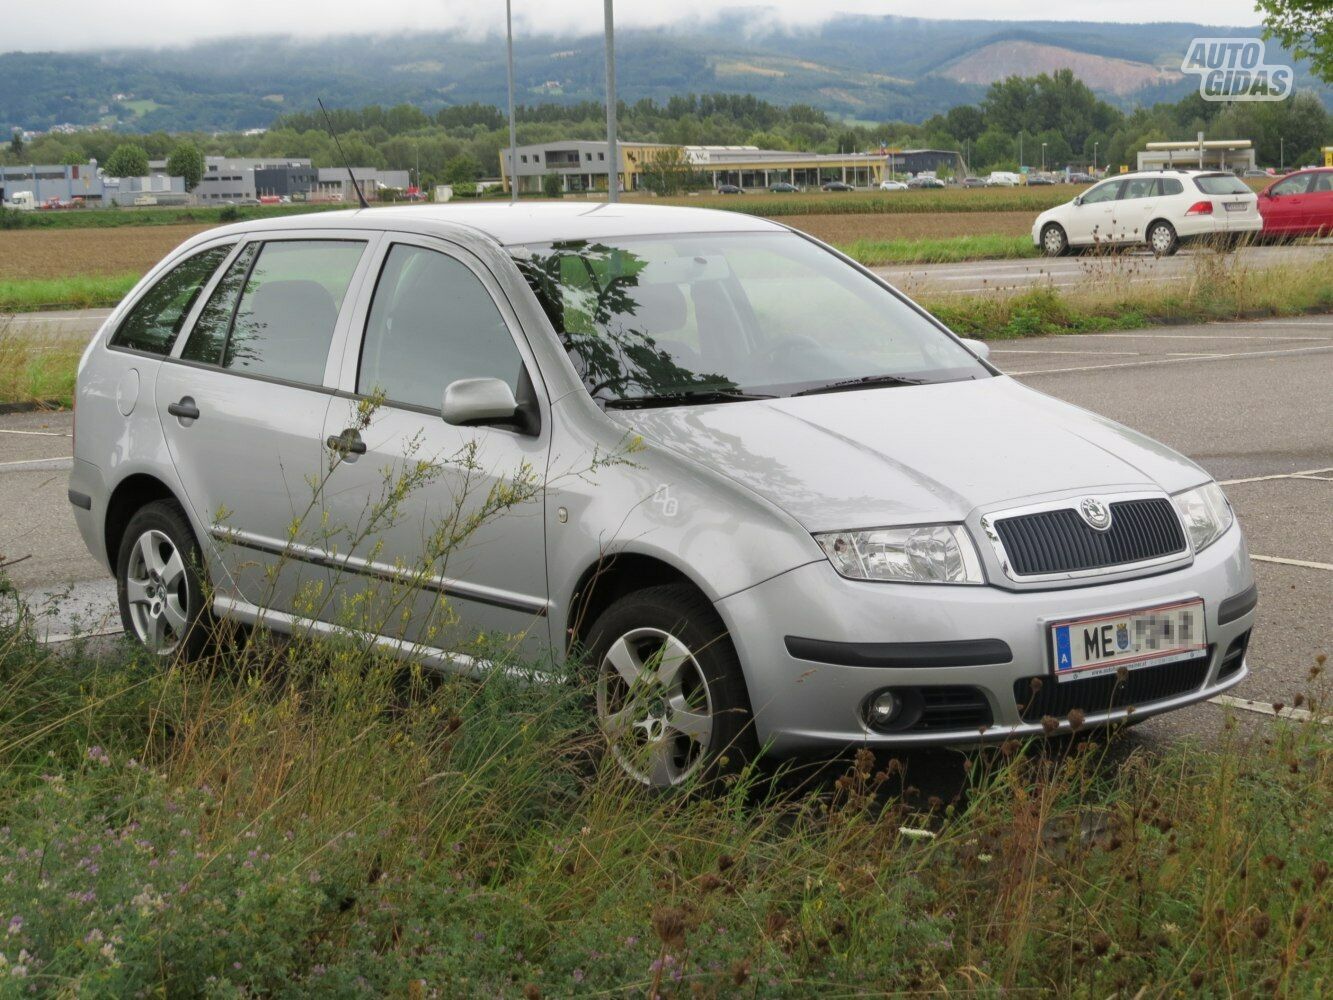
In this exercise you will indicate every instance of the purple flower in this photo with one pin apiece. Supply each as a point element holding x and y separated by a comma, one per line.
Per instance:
<point>578,975</point>
<point>15,924</point>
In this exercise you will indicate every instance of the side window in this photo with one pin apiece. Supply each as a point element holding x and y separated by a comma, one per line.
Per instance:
<point>1292,185</point>
<point>1103,192</point>
<point>432,322</point>
<point>1171,186</point>
<point>156,319</point>
<point>209,335</point>
<point>1323,183</point>
<point>1139,187</point>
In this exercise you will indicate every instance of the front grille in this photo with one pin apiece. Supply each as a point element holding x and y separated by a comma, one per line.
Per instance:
<point>1060,541</point>
<point>951,707</point>
<point>1093,695</point>
<point>1235,656</point>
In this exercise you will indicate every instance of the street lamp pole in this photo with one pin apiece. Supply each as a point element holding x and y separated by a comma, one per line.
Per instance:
<point>1094,159</point>
<point>513,130</point>
<point>1282,154</point>
<point>612,152</point>
<point>1043,157</point>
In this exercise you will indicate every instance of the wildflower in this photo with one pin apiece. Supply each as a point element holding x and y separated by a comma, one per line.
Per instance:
<point>99,756</point>
<point>1076,719</point>
<point>1049,724</point>
<point>669,923</point>
<point>578,975</point>
<point>108,951</point>
<point>15,924</point>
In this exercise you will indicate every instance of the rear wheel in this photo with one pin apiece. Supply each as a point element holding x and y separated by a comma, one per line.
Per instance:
<point>1054,242</point>
<point>157,582</point>
<point>670,696</point>
<point>1162,238</point>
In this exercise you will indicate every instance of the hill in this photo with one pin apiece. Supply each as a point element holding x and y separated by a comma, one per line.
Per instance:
<point>858,68</point>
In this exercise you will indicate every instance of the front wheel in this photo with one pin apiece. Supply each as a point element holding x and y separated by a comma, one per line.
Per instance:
<point>1054,242</point>
<point>670,696</point>
<point>1162,239</point>
<point>158,585</point>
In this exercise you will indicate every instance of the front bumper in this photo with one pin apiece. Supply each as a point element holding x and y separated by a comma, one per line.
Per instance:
<point>801,704</point>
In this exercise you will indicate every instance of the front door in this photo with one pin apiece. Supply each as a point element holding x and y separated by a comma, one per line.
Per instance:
<point>1284,208</point>
<point>1090,219</point>
<point>243,406</point>
<point>437,531</point>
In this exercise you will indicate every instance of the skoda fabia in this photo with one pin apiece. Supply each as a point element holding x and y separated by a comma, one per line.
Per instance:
<point>764,498</point>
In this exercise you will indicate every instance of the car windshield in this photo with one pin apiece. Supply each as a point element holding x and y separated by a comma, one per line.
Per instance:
<point>709,317</point>
<point>1221,184</point>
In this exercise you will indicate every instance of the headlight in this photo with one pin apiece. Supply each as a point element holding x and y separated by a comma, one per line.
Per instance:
<point>932,553</point>
<point>1206,514</point>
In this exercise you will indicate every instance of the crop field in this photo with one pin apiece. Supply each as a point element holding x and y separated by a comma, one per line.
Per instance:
<point>966,200</point>
<point>27,254</point>
<point>844,229</point>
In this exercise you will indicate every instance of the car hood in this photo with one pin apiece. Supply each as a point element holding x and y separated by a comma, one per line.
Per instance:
<point>912,454</point>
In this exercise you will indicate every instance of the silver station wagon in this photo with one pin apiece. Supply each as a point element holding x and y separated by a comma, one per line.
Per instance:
<point>768,501</point>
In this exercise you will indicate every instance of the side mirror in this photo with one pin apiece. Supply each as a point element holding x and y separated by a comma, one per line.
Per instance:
<point>1078,201</point>
<point>978,347</point>
<point>478,401</point>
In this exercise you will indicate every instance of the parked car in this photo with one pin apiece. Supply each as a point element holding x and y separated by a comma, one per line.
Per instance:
<point>1003,178</point>
<point>1158,208</point>
<point>1081,178</point>
<point>1255,174</point>
<point>1300,204</point>
<point>925,182</point>
<point>836,186</point>
<point>779,566</point>
<point>730,189</point>
<point>892,186</point>
<point>974,182</point>
<point>1039,179</point>
<point>782,187</point>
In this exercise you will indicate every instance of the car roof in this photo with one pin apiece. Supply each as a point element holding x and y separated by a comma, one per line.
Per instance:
<point>531,222</point>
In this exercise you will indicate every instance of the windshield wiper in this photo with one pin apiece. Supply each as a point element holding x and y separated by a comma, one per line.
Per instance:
<point>687,397</point>
<point>864,382</point>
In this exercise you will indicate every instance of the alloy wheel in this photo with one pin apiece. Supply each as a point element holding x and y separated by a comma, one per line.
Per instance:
<point>157,588</point>
<point>655,707</point>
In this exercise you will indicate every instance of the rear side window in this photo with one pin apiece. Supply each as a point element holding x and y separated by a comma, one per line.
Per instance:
<point>156,319</point>
<point>432,322</point>
<point>1221,184</point>
<point>1171,186</point>
<point>1323,183</point>
<point>290,293</point>
<point>1139,187</point>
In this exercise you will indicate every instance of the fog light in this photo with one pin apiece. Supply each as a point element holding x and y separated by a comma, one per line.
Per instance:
<point>883,708</point>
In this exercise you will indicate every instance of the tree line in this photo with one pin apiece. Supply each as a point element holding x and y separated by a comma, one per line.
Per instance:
<point>1056,116</point>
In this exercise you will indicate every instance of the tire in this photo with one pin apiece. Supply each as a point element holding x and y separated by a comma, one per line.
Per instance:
<point>1162,239</point>
<point>1054,242</point>
<point>158,585</point>
<point>669,694</point>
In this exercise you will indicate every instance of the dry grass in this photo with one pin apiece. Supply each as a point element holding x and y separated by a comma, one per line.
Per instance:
<point>37,369</point>
<point>28,254</point>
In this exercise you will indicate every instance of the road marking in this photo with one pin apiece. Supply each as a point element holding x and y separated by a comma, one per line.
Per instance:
<point>1100,354</point>
<point>60,434</point>
<point>1195,336</point>
<point>1176,361</point>
<point>1303,563</point>
<point>1249,705</point>
<point>57,637</point>
<point>1278,475</point>
<point>38,465</point>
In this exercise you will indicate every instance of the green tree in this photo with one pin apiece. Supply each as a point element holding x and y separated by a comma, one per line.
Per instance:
<point>128,160</point>
<point>1305,27</point>
<point>462,169</point>
<point>16,143</point>
<point>186,161</point>
<point>552,186</point>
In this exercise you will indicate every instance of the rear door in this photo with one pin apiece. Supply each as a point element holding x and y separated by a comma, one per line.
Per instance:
<point>1135,209</point>
<point>242,406</point>
<point>1319,207</point>
<point>437,531</point>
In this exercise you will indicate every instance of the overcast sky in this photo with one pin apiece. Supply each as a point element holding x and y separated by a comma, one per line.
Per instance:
<point>80,24</point>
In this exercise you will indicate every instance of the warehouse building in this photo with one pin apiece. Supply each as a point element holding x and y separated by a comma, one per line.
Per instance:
<point>582,165</point>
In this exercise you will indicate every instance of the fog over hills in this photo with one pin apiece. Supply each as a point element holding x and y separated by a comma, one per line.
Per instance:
<point>859,68</point>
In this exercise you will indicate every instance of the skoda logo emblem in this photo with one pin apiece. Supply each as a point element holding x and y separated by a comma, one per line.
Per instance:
<point>1096,513</point>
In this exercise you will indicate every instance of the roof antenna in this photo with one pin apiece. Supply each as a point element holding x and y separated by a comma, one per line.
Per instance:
<point>350,176</point>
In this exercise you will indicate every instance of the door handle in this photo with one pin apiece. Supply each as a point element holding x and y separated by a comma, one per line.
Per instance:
<point>347,443</point>
<point>184,409</point>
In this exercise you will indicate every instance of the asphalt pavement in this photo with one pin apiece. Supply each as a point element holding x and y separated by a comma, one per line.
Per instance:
<point>1250,402</point>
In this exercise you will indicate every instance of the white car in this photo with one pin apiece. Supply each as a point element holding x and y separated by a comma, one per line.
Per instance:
<point>1159,208</point>
<point>1003,178</point>
<point>892,186</point>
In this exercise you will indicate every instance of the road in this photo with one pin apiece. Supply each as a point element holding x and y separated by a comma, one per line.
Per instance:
<point>1249,401</point>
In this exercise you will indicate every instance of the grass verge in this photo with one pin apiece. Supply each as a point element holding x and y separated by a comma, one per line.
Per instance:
<point>37,370</point>
<point>304,819</point>
<point>873,253</point>
<point>104,218</point>
<point>85,292</point>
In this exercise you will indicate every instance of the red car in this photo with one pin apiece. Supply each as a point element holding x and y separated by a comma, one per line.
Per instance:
<point>1300,204</point>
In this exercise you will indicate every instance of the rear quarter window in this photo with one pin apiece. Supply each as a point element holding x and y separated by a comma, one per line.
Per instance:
<point>1221,184</point>
<point>154,322</point>
<point>1171,186</point>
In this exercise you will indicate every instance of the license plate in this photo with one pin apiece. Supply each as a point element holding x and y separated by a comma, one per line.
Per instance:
<point>1147,637</point>
<point>1237,206</point>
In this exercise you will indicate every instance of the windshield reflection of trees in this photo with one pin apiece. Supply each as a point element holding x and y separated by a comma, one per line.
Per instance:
<point>617,354</point>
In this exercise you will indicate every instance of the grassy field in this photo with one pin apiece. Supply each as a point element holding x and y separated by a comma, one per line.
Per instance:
<point>115,218</point>
<point>1029,200</point>
<point>297,819</point>
<point>874,253</point>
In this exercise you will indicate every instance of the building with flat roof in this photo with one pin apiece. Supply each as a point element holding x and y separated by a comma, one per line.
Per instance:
<point>581,164</point>
<point>1201,154</point>
<point>332,183</point>
<point>46,181</point>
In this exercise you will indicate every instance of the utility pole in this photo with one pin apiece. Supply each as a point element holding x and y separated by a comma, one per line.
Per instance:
<point>1282,154</point>
<point>612,150</point>
<point>1020,151</point>
<point>513,131</point>
<point>1094,159</point>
